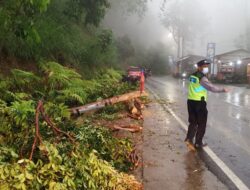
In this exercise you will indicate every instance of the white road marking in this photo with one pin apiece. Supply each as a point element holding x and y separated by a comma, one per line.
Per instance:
<point>227,171</point>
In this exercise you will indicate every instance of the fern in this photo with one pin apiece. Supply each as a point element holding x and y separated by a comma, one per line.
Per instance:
<point>5,126</point>
<point>80,90</point>
<point>66,85</point>
<point>4,84</point>
<point>2,105</point>
<point>21,96</point>
<point>9,96</point>
<point>57,111</point>
<point>58,76</point>
<point>113,74</point>
<point>73,94</point>
<point>21,112</point>
<point>24,78</point>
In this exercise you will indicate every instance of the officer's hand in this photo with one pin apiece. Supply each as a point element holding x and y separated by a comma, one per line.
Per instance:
<point>226,90</point>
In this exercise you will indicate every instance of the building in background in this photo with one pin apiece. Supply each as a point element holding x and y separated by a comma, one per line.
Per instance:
<point>232,66</point>
<point>186,65</point>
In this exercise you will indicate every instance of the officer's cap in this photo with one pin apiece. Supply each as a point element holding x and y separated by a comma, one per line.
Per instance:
<point>203,62</point>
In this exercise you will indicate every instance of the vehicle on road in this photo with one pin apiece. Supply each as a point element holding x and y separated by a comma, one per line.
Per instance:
<point>185,75</point>
<point>134,74</point>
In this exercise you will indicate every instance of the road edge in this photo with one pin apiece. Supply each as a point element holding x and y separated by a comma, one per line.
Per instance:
<point>225,169</point>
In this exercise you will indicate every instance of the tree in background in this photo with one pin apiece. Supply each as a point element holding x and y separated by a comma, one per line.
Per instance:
<point>68,31</point>
<point>156,59</point>
<point>62,30</point>
<point>91,11</point>
<point>130,7</point>
<point>125,49</point>
<point>185,20</point>
<point>17,20</point>
<point>18,17</point>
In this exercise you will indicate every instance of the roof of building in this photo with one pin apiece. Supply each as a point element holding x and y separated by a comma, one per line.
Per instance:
<point>194,58</point>
<point>238,54</point>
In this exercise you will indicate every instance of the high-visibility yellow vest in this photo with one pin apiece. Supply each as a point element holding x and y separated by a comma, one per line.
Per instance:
<point>195,90</point>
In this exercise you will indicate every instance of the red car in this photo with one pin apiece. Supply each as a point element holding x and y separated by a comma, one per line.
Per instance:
<point>134,73</point>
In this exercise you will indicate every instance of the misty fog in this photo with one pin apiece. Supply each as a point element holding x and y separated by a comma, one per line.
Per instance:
<point>224,22</point>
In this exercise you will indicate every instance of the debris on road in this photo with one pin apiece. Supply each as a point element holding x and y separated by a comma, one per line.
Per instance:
<point>134,158</point>
<point>130,128</point>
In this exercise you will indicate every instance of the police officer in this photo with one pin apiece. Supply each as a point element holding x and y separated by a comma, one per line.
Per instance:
<point>196,103</point>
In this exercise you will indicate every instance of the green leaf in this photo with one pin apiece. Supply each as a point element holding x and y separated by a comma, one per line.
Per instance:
<point>29,176</point>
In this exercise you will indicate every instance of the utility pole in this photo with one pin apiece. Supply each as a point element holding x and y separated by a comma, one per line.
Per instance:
<point>180,47</point>
<point>210,56</point>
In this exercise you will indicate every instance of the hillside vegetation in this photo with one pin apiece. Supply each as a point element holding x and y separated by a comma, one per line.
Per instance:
<point>54,56</point>
<point>42,147</point>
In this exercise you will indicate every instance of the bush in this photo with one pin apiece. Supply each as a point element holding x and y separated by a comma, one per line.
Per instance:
<point>94,159</point>
<point>76,170</point>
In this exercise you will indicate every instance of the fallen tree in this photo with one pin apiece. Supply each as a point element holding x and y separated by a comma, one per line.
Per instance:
<point>110,101</point>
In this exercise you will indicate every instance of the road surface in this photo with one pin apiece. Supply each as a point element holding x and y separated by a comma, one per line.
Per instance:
<point>228,128</point>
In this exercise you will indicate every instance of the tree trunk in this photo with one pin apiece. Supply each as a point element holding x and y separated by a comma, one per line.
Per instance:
<point>106,102</point>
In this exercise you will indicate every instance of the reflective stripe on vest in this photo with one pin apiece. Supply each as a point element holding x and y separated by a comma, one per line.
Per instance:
<point>196,91</point>
<point>199,89</point>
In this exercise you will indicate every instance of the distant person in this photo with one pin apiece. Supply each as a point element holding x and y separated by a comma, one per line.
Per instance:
<point>142,81</point>
<point>196,103</point>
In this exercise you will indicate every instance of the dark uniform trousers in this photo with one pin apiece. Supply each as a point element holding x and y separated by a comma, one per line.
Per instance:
<point>197,117</point>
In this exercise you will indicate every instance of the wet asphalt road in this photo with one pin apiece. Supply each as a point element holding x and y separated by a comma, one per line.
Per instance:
<point>228,128</point>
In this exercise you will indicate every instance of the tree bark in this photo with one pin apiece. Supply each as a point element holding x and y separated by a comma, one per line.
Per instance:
<point>106,102</point>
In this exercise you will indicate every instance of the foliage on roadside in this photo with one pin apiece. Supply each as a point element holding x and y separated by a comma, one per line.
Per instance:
<point>75,169</point>
<point>63,30</point>
<point>95,160</point>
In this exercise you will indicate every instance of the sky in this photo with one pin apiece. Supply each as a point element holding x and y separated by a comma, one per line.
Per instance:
<point>227,21</point>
